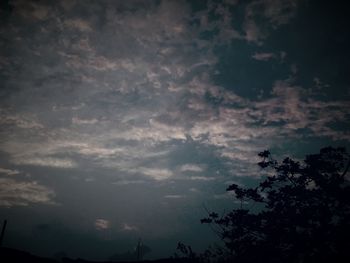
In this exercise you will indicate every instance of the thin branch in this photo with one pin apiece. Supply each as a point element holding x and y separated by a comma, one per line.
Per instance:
<point>216,231</point>
<point>346,170</point>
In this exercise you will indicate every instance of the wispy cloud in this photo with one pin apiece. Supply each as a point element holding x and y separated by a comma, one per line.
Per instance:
<point>264,56</point>
<point>8,171</point>
<point>194,190</point>
<point>191,168</point>
<point>23,193</point>
<point>174,196</point>
<point>102,224</point>
<point>83,121</point>
<point>129,227</point>
<point>31,10</point>
<point>46,161</point>
<point>23,121</point>
<point>78,23</point>
<point>158,174</point>
<point>292,110</point>
<point>127,182</point>
<point>202,178</point>
<point>276,12</point>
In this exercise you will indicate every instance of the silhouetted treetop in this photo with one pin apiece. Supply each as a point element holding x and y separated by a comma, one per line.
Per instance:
<point>303,212</point>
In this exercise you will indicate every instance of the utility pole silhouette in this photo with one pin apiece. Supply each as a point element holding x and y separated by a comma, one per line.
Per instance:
<point>3,232</point>
<point>139,250</point>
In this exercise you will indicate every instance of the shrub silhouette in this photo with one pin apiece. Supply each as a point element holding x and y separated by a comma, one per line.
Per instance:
<point>303,213</point>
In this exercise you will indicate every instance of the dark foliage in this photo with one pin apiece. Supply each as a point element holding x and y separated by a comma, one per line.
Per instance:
<point>304,213</point>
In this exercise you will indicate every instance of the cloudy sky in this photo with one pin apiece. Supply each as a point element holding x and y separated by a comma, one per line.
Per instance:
<point>122,120</point>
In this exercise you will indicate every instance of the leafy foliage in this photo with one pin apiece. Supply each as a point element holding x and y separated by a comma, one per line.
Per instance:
<point>304,215</point>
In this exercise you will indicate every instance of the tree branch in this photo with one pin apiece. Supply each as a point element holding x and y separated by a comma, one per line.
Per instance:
<point>346,170</point>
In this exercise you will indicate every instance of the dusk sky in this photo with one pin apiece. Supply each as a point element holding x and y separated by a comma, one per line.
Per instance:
<point>122,120</point>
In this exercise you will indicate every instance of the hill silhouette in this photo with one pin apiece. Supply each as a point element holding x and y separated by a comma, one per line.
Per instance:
<point>10,255</point>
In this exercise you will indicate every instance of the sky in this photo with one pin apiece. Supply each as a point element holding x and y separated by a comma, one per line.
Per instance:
<point>122,120</point>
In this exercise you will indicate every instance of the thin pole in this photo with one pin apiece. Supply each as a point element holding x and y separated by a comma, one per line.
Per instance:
<point>139,252</point>
<point>3,232</point>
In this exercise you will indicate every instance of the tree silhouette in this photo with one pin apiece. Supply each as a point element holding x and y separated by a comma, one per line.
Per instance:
<point>302,212</point>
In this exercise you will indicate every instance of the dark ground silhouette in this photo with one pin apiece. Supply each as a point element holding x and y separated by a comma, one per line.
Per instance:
<point>133,255</point>
<point>9,255</point>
